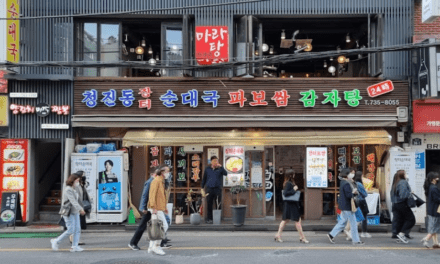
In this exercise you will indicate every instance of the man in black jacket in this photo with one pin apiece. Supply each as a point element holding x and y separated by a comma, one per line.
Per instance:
<point>213,180</point>
<point>345,195</point>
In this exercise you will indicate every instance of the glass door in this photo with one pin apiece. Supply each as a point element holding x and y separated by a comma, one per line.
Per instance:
<point>255,183</point>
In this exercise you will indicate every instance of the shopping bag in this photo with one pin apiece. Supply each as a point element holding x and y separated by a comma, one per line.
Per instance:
<point>353,206</point>
<point>359,216</point>
<point>155,229</point>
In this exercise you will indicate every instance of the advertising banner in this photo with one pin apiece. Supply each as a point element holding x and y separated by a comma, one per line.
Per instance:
<point>233,160</point>
<point>317,168</point>
<point>14,169</point>
<point>88,165</point>
<point>212,44</point>
<point>110,170</point>
<point>13,31</point>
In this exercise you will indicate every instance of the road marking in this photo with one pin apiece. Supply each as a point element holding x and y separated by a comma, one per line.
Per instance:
<point>225,248</point>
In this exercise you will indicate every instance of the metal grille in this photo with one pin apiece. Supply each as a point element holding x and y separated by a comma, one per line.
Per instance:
<point>49,92</point>
<point>51,39</point>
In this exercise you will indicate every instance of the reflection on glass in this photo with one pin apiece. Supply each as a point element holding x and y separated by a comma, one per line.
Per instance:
<point>109,47</point>
<point>173,50</point>
<point>89,47</point>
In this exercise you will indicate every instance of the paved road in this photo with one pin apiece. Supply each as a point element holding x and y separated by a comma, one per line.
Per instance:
<point>221,247</point>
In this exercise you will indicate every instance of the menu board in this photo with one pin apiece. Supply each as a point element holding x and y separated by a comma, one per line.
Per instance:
<point>14,169</point>
<point>317,168</point>
<point>233,160</point>
<point>10,212</point>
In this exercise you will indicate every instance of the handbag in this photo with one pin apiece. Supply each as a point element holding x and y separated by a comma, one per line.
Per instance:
<point>292,198</point>
<point>65,208</point>
<point>359,216</point>
<point>414,201</point>
<point>353,206</point>
<point>155,229</point>
<point>419,202</point>
<point>62,222</point>
<point>87,206</point>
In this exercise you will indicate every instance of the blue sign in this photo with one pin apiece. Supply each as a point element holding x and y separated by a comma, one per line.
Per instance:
<point>109,196</point>
<point>420,160</point>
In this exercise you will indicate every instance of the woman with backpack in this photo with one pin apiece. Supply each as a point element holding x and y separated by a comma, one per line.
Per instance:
<point>433,197</point>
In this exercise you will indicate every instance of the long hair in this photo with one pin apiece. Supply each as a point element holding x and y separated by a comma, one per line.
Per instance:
<point>72,178</point>
<point>358,176</point>
<point>161,169</point>
<point>289,176</point>
<point>429,178</point>
<point>400,175</point>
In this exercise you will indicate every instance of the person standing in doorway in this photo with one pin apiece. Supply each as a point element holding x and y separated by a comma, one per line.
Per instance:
<point>290,208</point>
<point>403,217</point>
<point>433,196</point>
<point>345,196</point>
<point>157,205</point>
<point>72,220</point>
<point>213,181</point>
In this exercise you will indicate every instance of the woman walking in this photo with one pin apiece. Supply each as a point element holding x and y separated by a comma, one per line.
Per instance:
<point>72,220</point>
<point>83,196</point>
<point>403,217</point>
<point>362,202</point>
<point>433,194</point>
<point>290,208</point>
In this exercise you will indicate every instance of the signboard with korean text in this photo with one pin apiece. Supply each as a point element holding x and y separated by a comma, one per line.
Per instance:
<point>212,44</point>
<point>316,168</point>
<point>287,97</point>
<point>13,31</point>
<point>233,160</point>
<point>10,211</point>
<point>14,170</point>
<point>380,88</point>
<point>3,82</point>
<point>4,110</point>
<point>3,31</point>
<point>426,116</point>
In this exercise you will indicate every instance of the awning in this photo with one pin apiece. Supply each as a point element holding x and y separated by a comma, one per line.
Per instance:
<point>254,138</point>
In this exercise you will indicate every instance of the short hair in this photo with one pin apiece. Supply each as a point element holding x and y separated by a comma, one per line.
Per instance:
<point>109,161</point>
<point>72,178</point>
<point>345,172</point>
<point>213,158</point>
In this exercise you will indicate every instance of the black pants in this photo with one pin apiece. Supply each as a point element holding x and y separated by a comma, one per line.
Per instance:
<point>403,219</point>
<point>214,193</point>
<point>140,229</point>
<point>364,208</point>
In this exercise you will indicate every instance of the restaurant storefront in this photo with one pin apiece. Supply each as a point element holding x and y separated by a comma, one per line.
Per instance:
<point>277,122</point>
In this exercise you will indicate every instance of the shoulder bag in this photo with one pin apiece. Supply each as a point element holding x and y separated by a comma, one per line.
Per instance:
<point>155,229</point>
<point>87,206</point>
<point>292,198</point>
<point>419,202</point>
<point>65,208</point>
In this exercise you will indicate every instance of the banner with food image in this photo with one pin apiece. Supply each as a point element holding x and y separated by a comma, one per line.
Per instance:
<point>14,157</point>
<point>233,160</point>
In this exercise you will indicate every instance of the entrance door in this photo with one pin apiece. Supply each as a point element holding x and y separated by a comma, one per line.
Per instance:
<point>255,183</point>
<point>433,161</point>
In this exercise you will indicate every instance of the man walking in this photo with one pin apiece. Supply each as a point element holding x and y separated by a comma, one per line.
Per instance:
<point>213,180</point>
<point>346,193</point>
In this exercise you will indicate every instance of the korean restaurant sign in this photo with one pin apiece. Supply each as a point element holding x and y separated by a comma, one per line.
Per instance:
<point>316,168</point>
<point>42,110</point>
<point>380,88</point>
<point>212,44</point>
<point>426,116</point>
<point>12,31</point>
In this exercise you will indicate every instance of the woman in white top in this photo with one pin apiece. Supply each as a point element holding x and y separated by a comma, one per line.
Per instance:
<point>72,220</point>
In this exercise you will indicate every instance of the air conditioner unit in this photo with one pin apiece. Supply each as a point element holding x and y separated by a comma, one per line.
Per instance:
<point>193,148</point>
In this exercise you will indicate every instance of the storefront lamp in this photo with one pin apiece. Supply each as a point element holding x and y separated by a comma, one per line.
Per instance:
<point>143,42</point>
<point>150,50</point>
<point>332,70</point>
<point>152,61</point>
<point>347,38</point>
<point>271,50</point>
<point>157,57</point>
<point>347,60</point>
<point>139,50</point>
<point>325,64</point>
<point>283,34</point>
<point>265,47</point>
<point>341,59</point>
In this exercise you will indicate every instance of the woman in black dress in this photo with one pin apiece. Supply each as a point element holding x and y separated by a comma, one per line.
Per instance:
<point>290,208</point>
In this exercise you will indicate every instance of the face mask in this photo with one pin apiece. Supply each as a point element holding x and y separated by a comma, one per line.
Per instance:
<point>167,175</point>
<point>76,184</point>
<point>351,175</point>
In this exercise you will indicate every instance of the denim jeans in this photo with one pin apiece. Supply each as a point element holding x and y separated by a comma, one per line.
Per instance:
<point>73,225</point>
<point>345,217</point>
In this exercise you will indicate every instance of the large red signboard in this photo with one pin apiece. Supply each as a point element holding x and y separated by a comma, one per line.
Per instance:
<point>14,169</point>
<point>426,116</point>
<point>212,44</point>
<point>380,88</point>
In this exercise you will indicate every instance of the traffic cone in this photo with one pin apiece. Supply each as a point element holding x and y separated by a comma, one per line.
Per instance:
<point>131,218</point>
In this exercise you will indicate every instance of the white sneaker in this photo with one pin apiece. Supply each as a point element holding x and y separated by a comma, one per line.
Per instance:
<point>158,251</point>
<point>367,235</point>
<point>348,234</point>
<point>150,250</point>
<point>54,244</point>
<point>76,249</point>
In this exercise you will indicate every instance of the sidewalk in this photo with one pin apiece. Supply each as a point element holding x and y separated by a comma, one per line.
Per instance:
<point>250,225</point>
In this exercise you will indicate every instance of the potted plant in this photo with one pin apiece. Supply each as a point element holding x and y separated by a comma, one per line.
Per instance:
<point>194,202</point>
<point>238,210</point>
<point>217,213</point>
<point>179,215</point>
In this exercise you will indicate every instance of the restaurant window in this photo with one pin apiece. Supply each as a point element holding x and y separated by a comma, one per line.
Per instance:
<point>261,38</point>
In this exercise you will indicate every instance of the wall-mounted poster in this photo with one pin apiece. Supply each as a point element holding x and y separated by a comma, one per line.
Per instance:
<point>212,152</point>
<point>317,168</point>
<point>233,160</point>
<point>109,183</point>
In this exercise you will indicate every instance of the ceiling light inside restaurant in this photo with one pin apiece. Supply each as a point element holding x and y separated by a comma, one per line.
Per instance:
<point>265,47</point>
<point>271,50</point>
<point>152,61</point>
<point>347,60</point>
<point>332,70</point>
<point>283,34</point>
<point>341,59</point>
<point>143,42</point>
<point>150,50</point>
<point>325,64</point>
<point>157,57</point>
<point>331,58</point>
<point>347,38</point>
<point>256,53</point>
<point>126,38</point>
<point>139,50</point>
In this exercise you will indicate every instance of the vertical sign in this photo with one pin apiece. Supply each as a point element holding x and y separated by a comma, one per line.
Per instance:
<point>423,74</point>
<point>13,31</point>
<point>212,44</point>
<point>14,169</point>
<point>316,168</point>
<point>3,32</point>
<point>234,164</point>
<point>181,167</point>
<point>109,183</point>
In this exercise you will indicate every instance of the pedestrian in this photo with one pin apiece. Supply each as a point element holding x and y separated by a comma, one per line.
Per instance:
<point>213,181</point>
<point>157,204</point>
<point>350,180</point>
<point>72,220</point>
<point>345,205</point>
<point>403,217</point>
<point>362,203</point>
<point>83,196</point>
<point>290,208</point>
<point>433,197</point>
<point>146,216</point>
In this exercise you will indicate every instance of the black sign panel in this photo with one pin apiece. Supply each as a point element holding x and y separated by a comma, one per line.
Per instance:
<point>43,109</point>
<point>423,73</point>
<point>10,210</point>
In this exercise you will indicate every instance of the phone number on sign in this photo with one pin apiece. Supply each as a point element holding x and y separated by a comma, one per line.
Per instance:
<point>383,102</point>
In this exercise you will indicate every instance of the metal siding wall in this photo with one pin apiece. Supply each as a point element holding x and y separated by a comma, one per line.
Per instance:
<point>49,92</point>
<point>52,39</point>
